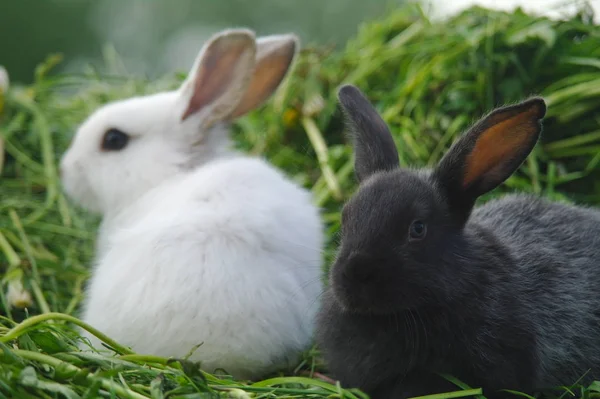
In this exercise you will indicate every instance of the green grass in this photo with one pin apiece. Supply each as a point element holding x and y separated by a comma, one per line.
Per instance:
<point>430,81</point>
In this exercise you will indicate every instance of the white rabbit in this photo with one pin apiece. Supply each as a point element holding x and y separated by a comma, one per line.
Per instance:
<point>199,244</point>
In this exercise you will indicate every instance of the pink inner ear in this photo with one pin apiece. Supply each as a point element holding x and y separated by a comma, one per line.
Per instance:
<point>268,74</point>
<point>216,72</point>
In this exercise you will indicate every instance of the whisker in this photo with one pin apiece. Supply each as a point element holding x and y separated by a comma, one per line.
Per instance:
<point>424,328</point>
<point>320,250</point>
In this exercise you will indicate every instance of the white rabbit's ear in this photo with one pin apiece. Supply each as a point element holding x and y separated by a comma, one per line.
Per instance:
<point>220,76</point>
<point>274,58</point>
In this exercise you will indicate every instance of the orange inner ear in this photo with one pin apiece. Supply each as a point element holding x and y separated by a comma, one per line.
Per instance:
<point>500,142</point>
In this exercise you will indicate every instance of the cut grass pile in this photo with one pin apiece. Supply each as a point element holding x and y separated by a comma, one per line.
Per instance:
<point>429,80</point>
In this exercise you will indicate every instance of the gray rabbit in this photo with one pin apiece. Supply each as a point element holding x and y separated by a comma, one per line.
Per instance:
<point>501,296</point>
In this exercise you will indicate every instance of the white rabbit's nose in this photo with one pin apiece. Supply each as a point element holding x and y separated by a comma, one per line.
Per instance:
<point>64,165</point>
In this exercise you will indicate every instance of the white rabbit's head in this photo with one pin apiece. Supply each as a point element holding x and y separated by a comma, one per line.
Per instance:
<point>128,147</point>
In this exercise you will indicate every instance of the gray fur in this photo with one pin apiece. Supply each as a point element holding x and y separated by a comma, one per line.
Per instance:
<point>556,248</point>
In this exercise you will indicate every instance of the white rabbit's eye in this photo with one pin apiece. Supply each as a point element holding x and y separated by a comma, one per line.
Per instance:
<point>114,140</point>
<point>418,230</point>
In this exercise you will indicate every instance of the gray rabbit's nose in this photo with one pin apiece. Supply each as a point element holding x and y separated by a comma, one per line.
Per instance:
<point>359,268</point>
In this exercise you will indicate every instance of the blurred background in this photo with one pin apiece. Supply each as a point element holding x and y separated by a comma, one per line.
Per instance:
<point>160,36</point>
<point>430,71</point>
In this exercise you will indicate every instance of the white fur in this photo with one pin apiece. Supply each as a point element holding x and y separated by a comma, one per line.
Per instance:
<point>198,244</point>
<point>4,81</point>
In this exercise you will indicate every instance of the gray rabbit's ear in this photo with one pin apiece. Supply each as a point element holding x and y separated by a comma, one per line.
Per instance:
<point>492,150</point>
<point>374,146</point>
<point>219,77</point>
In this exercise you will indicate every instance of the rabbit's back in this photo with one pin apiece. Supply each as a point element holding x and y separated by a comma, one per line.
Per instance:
<point>557,251</point>
<point>228,256</point>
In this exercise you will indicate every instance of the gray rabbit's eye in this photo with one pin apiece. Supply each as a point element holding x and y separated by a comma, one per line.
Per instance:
<point>114,140</point>
<point>418,230</point>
